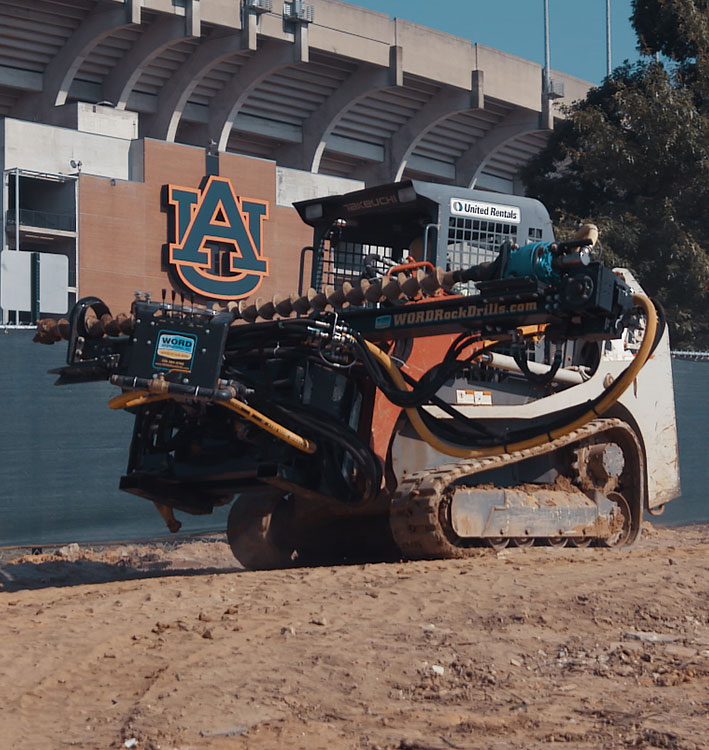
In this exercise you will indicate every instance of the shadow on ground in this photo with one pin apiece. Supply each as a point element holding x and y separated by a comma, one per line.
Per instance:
<point>37,575</point>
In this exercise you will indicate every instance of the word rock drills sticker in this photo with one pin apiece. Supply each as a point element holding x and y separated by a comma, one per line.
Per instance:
<point>175,351</point>
<point>218,236</point>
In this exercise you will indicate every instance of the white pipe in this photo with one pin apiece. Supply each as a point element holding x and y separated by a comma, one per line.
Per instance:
<point>504,362</point>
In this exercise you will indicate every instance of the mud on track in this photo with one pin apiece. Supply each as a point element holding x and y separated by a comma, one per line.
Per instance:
<point>177,647</point>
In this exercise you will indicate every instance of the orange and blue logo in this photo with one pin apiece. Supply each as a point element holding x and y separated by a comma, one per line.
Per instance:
<point>217,250</point>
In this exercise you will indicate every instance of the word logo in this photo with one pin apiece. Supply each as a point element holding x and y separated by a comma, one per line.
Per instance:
<point>174,351</point>
<point>217,240</point>
<point>484,210</point>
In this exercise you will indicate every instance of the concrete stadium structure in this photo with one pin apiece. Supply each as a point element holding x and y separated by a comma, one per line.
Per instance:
<point>104,102</point>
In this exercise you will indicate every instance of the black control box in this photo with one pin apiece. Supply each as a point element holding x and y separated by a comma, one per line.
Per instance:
<point>183,345</point>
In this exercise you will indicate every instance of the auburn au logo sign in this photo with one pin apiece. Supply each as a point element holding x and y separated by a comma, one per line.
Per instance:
<point>217,236</point>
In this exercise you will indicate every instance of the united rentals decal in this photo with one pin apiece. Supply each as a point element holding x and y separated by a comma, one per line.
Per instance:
<point>216,249</point>
<point>483,210</point>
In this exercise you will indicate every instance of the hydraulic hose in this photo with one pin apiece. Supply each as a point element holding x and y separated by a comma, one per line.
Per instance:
<point>335,435</point>
<point>423,432</point>
<point>139,398</point>
<point>616,390</point>
<point>135,398</point>
<point>612,394</point>
<point>268,425</point>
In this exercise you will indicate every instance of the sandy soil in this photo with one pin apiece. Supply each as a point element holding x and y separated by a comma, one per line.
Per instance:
<point>175,646</point>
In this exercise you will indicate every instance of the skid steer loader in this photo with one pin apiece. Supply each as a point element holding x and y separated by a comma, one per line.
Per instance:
<point>447,376</point>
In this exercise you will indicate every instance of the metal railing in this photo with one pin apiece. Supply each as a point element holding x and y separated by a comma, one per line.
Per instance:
<point>44,220</point>
<point>689,354</point>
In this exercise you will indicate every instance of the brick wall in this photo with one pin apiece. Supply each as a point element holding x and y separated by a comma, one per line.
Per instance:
<point>123,226</point>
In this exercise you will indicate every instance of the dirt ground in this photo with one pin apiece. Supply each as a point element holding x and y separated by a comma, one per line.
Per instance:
<point>176,647</point>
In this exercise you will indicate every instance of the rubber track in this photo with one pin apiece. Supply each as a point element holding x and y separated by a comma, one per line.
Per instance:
<point>415,520</point>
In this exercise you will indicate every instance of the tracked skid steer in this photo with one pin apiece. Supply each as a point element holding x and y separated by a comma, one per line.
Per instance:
<point>447,376</point>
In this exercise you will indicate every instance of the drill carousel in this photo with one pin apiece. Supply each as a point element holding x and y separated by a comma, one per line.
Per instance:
<point>388,413</point>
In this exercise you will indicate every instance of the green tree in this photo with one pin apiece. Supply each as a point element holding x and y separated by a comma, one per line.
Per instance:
<point>672,27</point>
<point>634,157</point>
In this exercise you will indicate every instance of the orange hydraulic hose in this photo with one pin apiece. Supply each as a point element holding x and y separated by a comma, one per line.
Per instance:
<point>611,396</point>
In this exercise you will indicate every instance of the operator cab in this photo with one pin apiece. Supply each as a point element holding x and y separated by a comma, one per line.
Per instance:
<point>380,227</point>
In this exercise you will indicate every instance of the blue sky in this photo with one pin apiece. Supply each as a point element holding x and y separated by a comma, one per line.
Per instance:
<point>577,28</point>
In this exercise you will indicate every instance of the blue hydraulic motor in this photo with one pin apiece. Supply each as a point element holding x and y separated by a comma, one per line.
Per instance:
<point>548,261</point>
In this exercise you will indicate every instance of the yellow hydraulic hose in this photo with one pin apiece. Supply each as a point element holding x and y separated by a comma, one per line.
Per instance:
<point>423,432</point>
<point>135,398</point>
<point>612,395</point>
<point>138,398</point>
<point>273,428</point>
<point>620,385</point>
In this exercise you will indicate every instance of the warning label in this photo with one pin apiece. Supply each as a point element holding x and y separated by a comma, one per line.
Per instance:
<point>476,398</point>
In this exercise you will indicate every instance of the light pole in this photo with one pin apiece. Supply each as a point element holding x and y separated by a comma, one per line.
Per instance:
<point>547,55</point>
<point>608,37</point>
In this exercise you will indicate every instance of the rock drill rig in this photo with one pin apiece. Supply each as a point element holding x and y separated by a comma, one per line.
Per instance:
<point>452,377</point>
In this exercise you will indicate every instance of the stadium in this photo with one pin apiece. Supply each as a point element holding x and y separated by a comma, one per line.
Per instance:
<point>107,106</point>
<point>122,123</point>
